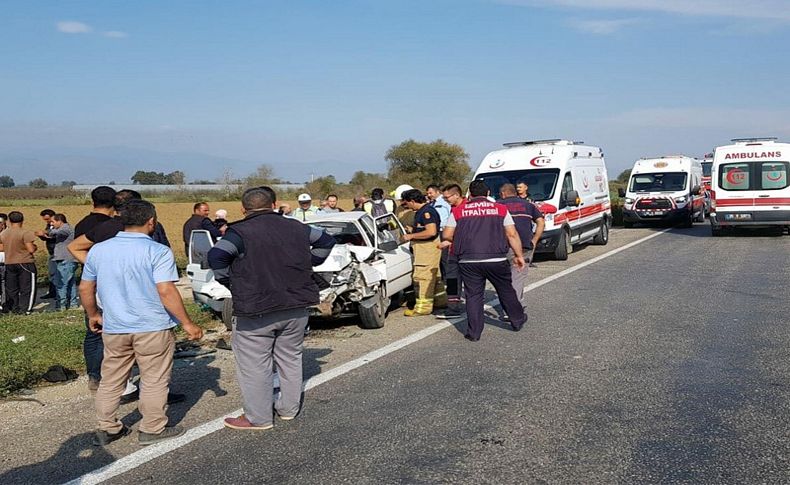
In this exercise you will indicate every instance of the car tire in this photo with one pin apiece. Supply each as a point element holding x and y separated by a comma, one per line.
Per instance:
<point>689,222</point>
<point>374,316</point>
<point>227,313</point>
<point>564,246</point>
<point>602,238</point>
<point>716,231</point>
<point>701,217</point>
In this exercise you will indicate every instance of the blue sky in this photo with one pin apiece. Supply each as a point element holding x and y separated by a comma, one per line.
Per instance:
<point>100,88</point>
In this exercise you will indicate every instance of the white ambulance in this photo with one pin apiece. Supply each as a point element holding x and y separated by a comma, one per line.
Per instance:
<point>567,181</point>
<point>664,189</point>
<point>750,185</point>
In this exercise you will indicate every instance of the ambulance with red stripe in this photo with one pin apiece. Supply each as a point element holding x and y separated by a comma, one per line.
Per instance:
<point>664,189</point>
<point>567,180</point>
<point>750,185</point>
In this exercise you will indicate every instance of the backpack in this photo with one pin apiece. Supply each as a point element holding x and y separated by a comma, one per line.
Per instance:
<point>379,207</point>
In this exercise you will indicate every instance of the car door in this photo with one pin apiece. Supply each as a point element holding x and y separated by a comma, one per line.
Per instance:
<point>198,270</point>
<point>399,260</point>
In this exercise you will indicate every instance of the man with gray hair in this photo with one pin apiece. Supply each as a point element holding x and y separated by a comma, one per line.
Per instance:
<point>266,261</point>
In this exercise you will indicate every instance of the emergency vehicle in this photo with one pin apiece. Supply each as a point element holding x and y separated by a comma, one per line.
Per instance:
<point>750,185</point>
<point>707,167</point>
<point>664,189</point>
<point>567,181</point>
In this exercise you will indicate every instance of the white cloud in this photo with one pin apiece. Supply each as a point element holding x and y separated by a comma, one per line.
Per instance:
<point>115,34</point>
<point>754,9</point>
<point>72,27</point>
<point>600,27</point>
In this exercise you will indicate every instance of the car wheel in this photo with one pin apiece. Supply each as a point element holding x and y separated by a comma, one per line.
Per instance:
<point>701,217</point>
<point>716,231</point>
<point>602,238</point>
<point>689,222</point>
<point>564,247</point>
<point>373,310</point>
<point>227,313</point>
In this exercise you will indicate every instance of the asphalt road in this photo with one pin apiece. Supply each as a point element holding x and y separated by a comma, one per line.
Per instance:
<point>668,362</point>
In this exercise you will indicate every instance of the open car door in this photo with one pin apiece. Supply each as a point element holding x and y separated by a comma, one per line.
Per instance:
<point>198,270</point>
<point>388,236</point>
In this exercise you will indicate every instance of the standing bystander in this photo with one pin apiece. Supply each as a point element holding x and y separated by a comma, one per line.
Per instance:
<point>44,235</point>
<point>525,214</point>
<point>65,264</point>
<point>199,220</point>
<point>138,326</point>
<point>452,275</point>
<point>266,261</point>
<point>18,245</point>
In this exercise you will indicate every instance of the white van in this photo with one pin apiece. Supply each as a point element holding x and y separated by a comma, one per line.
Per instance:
<point>750,185</point>
<point>567,181</point>
<point>664,189</point>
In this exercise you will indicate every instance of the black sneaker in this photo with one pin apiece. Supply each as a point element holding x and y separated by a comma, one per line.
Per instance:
<point>146,439</point>
<point>103,438</point>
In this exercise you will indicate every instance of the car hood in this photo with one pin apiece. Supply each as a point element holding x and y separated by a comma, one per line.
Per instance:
<point>342,255</point>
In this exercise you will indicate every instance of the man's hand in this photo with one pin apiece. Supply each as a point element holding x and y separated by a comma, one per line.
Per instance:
<point>95,323</point>
<point>519,262</point>
<point>223,229</point>
<point>193,331</point>
<point>444,244</point>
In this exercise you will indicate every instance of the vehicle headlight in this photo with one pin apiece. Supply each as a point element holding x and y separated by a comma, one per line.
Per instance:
<point>681,200</point>
<point>629,200</point>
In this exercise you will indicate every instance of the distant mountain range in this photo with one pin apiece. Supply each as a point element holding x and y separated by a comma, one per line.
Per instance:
<point>119,163</point>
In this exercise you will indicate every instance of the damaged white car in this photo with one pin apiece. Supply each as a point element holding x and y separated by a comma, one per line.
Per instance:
<point>367,268</point>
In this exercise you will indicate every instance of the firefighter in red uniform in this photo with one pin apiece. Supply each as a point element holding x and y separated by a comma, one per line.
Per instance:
<point>481,232</point>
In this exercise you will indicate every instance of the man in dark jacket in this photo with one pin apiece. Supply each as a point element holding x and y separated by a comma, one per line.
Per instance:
<point>266,261</point>
<point>199,220</point>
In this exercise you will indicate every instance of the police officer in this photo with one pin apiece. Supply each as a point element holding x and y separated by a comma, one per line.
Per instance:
<point>524,214</point>
<point>427,254</point>
<point>266,260</point>
<point>481,231</point>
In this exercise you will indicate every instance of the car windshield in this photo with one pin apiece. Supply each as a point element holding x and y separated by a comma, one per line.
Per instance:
<point>707,168</point>
<point>658,182</point>
<point>343,232</point>
<point>199,246</point>
<point>541,182</point>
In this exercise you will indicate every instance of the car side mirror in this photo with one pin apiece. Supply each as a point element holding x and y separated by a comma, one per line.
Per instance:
<point>621,192</point>
<point>696,190</point>
<point>572,198</point>
<point>388,245</point>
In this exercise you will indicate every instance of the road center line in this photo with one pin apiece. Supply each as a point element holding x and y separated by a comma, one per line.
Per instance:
<point>133,460</point>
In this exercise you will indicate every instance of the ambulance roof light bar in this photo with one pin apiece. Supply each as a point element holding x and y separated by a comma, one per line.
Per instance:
<point>553,141</point>
<point>665,156</point>
<point>755,139</point>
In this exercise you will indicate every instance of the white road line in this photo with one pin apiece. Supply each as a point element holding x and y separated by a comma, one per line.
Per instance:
<point>149,453</point>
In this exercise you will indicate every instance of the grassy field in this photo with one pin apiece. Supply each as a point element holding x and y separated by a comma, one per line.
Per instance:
<point>172,215</point>
<point>50,339</point>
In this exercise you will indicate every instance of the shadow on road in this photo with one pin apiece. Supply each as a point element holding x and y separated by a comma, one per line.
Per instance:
<point>76,456</point>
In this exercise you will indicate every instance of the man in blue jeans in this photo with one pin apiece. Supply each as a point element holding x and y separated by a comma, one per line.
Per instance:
<point>103,198</point>
<point>65,277</point>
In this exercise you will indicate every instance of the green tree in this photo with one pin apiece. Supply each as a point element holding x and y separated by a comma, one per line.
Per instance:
<point>420,164</point>
<point>38,183</point>
<point>262,175</point>
<point>363,182</point>
<point>68,183</point>
<point>148,178</point>
<point>321,187</point>
<point>175,178</point>
<point>6,181</point>
<point>624,176</point>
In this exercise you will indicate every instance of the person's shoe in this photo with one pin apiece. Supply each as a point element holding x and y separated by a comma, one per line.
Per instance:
<point>103,438</point>
<point>243,423</point>
<point>93,384</point>
<point>146,439</point>
<point>47,296</point>
<point>516,329</point>
<point>533,265</point>
<point>131,397</point>
<point>470,338</point>
<point>413,313</point>
<point>505,317</point>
